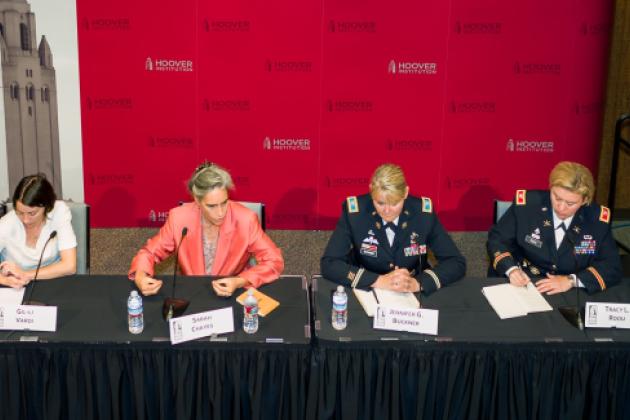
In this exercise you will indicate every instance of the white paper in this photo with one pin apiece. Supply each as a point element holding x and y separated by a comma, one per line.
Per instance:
<point>503,302</point>
<point>11,296</point>
<point>531,298</point>
<point>385,297</point>
<point>394,299</point>
<point>367,300</point>
<point>510,301</point>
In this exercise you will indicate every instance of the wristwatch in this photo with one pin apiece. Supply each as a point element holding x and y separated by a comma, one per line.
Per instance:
<point>573,280</point>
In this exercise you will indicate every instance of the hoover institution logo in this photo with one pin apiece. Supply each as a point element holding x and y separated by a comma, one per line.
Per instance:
<point>529,145</point>
<point>168,64</point>
<point>411,67</point>
<point>289,144</point>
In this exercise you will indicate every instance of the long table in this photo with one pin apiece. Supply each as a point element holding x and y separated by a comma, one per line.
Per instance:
<point>477,367</point>
<point>297,366</point>
<point>92,367</point>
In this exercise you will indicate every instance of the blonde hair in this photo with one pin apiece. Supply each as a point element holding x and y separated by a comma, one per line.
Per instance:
<point>390,180</point>
<point>207,177</point>
<point>574,177</point>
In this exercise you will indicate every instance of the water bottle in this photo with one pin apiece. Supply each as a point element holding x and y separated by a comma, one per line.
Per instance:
<point>250,313</point>
<point>135,316</point>
<point>340,309</point>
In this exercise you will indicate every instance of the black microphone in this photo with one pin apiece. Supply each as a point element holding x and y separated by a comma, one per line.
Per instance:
<point>39,264</point>
<point>172,307</point>
<point>573,314</point>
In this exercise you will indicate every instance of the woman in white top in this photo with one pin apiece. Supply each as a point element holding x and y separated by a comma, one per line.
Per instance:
<point>25,230</point>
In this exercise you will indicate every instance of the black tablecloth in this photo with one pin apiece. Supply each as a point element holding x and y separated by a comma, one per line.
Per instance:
<point>478,367</point>
<point>465,315</point>
<point>92,367</point>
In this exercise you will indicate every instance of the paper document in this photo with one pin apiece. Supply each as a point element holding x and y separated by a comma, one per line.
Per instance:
<point>369,299</point>
<point>11,296</point>
<point>266,304</point>
<point>510,301</point>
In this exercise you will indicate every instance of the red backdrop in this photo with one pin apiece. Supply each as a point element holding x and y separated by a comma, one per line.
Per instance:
<point>302,100</point>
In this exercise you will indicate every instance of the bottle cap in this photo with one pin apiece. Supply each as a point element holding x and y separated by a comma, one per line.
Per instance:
<point>340,288</point>
<point>134,293</point>
<point>250,292</point>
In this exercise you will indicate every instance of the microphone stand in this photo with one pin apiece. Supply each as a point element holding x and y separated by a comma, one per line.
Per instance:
<point>172,307</point>
<point>39,264</point>
<point>573,314</point>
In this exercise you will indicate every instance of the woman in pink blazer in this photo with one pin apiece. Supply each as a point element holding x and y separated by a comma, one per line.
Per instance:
<point>221,237</point>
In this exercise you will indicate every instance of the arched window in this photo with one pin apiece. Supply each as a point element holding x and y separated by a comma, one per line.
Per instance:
<point>30,92</point>
<point>45,92</point>
<point>14,90</point>
<point>25,38</point>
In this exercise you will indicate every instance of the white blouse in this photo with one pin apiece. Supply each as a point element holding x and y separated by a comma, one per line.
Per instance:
<point>13,238</point>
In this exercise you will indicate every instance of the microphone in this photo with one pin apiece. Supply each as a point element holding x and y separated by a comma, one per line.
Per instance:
<point>570,313</point>
<point>172,307</point>
<point>39,264</point>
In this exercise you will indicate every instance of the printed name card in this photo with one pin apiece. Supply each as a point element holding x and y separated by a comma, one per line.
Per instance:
<point>203,324</point>
<point>607,315</point>
<point>28,318</point>
<point>422,321</point>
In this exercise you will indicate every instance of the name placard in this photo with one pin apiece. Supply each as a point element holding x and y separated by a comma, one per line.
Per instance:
<point>607,315</point>
<point>422,321</point>
<point>202,324</point>
<point>28,318</point>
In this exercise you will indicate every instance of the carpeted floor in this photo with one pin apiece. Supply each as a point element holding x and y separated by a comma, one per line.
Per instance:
<point>112,250</point>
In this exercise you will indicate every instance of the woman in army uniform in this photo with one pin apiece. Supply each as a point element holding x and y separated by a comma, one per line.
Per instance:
<point>382,239</point>
<point>559,238</point>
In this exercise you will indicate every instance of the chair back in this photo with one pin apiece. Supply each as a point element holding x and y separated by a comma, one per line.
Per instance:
<point>258,208</point>
<point>500,207</point>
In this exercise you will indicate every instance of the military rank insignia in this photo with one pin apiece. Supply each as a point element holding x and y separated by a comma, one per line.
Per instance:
<point>427,205</point>
<point>353,204</point>
<point>520,197</point>
<point>604,215</point>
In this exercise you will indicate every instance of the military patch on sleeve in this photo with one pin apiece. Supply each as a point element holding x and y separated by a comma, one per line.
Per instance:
<point>427,205</point>
<point>604,214</point>
<point>520,197</point>
<point>353,204</point>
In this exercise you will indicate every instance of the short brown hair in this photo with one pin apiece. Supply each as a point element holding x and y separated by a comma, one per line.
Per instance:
<point>574,177</point>
<point>35,191</point>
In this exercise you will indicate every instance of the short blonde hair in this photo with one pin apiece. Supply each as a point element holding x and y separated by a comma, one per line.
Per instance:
<point>574,177</point>
<point>390,180</point>
<point>207,177</point>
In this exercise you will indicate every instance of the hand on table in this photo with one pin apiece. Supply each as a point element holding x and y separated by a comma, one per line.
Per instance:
<point>146,284</point>
<point>519,278</point>
<point>554,284</point>
<point>226,286</point>
<point>399,280</point>
<point>12,275</point>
